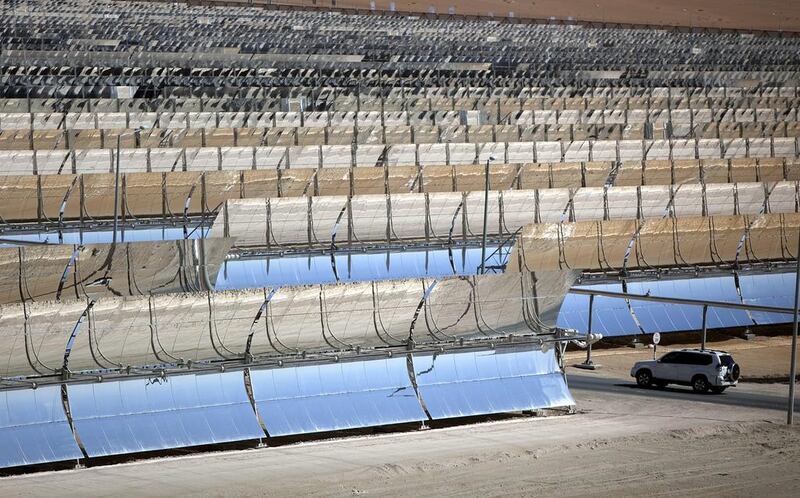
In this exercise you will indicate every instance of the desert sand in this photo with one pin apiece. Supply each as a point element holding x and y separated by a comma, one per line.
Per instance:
<point>774,15</point>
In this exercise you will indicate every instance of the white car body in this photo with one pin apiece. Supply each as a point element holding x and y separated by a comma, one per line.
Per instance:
<point>689,367</point>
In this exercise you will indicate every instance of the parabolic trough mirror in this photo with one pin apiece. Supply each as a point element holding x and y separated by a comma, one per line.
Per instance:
<point>358,266</point>
<point>619,317</point>
<point>210,236</point>
<point>143,414</point>
<point>93,236</point>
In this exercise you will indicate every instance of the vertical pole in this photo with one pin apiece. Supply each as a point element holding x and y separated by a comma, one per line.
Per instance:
<point>116,191</point>
<point>589,361</point>
<point>485,217</point>
<point>589,364</point>
<point>705,327</point>
<point>793,364</point>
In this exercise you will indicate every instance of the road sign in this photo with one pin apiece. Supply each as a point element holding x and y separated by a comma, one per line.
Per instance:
<point>656,338</point>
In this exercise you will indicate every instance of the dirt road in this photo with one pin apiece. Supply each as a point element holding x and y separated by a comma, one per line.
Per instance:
<point>623,441</point>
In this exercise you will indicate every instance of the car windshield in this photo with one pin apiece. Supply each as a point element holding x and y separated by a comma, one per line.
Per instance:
<point>726,359</point>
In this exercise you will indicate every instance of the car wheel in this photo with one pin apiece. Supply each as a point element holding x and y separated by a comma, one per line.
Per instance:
<point>644,378</point>
<point>735,372</point>
<point>661,383</point>
<point>700,384</point>
<point>718,389</point>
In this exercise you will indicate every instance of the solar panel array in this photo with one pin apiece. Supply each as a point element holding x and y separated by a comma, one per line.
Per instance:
<point>616,317</point>
<point>257,223</point>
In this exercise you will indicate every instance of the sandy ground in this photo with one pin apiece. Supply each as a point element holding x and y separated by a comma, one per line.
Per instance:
<point>624,441</point>
<point>773,15</point>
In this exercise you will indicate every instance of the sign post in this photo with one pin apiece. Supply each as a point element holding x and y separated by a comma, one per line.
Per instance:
<point>656,340</point>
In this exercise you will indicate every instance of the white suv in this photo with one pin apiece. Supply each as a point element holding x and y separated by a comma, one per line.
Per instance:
<point>702,369</point>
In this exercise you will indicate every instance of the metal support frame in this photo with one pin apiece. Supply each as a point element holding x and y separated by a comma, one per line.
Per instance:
<point>680,300</point>
<point>302,357</point>
<point>589,364</point>
<point>356,248</point>
<point>485,214</point>
<point>65,373</point>
<point>705,328</point>
<point>116,191</point>
<point>99,224</point>
<point>793,358</point>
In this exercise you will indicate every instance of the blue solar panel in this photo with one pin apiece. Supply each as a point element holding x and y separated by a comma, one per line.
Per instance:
<point>662,317</point>
<point>574,313</point>
<point>721,289</point>
<point>335,396</point>
<point>356,267</point>
<point>769,289</point>
<point>34,429</point>
<point>131,416</point>
<point>279,272</point>
<point>710,288</point>
<point>106,236</point>
<point>611,316</point>
<point>477,383</point>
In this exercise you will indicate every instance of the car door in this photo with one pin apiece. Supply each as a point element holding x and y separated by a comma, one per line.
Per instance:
<point>665,368</point>
<point>687,365</point>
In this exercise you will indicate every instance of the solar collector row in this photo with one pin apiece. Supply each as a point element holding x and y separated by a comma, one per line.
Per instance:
<point>322,119</point>
<point>102,160</point>
<point>127,416</point>
<point>498,100</point>
<point>172,195</point>
<point>118,417</point>
<point>158,138</point>
<point>618,317</point>
<point>268,322</point>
